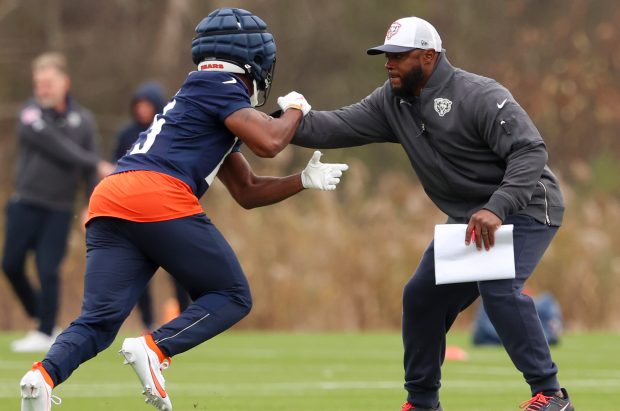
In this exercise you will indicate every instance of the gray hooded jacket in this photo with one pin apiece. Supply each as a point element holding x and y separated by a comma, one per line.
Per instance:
<point>470,143</point>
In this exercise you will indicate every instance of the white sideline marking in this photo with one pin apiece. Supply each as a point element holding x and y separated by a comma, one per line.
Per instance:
<point>130,387</point>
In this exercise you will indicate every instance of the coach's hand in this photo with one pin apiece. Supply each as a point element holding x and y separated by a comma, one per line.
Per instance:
<point>294,100</point>
<point>322,176</point>
<point>481,229</point>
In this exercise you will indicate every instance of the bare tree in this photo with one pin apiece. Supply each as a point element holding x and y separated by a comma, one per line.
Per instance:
<point>53,25</point>
<point>6,7</point>
<point>168,52</point>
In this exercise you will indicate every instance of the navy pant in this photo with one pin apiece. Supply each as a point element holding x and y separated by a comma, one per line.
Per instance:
<point>42,230</point>
<point>121,258</point>
<point>429,311</point>
<point>145,303</point>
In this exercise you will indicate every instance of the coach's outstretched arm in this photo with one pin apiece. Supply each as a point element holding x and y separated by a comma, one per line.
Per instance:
<point>354,125</point>
<point>251,191</point>
<point>264,135</point>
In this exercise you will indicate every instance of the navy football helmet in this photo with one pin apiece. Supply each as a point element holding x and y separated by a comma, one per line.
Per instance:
<point>237,36</point>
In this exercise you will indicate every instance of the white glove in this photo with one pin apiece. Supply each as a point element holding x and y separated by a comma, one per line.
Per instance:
<point>323,176</point>
<point>294,100</point>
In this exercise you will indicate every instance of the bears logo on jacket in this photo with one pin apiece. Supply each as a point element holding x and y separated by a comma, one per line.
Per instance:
<point>442,106</point>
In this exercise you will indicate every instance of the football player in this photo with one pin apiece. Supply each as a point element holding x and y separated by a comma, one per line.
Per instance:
<point>147,215</point>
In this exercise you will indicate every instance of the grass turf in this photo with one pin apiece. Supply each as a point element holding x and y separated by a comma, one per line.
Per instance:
<point>325,372</point>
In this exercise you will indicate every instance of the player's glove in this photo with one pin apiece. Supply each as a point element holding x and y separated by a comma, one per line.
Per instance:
<point>322,176</point>
<point>294,100</point>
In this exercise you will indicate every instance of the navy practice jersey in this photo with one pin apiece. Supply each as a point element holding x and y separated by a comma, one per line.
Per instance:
<point>189,140</point>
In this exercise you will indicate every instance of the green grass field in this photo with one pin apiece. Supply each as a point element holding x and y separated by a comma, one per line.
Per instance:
<point>323,372</point>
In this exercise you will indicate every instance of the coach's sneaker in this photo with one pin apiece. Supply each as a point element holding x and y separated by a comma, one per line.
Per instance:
<point>541,402</point>
<point>148,361</point>
<point>34,341</point>
<point>36,390</point>
<point>409,406</point>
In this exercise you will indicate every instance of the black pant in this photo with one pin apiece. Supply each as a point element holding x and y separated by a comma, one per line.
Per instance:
<point>44,231</point>
<point>429,311</point>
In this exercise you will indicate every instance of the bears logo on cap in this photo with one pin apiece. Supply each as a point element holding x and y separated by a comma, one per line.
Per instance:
<point>392,30</point>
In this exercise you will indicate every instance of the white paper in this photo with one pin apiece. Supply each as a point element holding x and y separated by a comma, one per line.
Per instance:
<point>456,262</point>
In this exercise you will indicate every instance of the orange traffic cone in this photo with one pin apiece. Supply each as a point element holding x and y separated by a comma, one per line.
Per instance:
<point>171,309</point>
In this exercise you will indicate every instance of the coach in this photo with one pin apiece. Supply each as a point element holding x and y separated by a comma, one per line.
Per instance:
<point>482,161</point>
<point>57,155</point>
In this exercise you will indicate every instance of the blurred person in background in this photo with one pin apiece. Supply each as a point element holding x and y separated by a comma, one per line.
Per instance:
<point>147,214</point>
<point>148,100</point>
<point>57,155</point>
<point>482,161</point>
<point>548,310</point>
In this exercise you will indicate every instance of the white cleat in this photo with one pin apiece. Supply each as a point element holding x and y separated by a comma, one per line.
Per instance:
<point>36,393</point>
<point>147,365</point>
<point>34,341</point>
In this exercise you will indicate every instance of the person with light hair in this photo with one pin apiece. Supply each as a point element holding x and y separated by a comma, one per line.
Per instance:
<point>58,156</point>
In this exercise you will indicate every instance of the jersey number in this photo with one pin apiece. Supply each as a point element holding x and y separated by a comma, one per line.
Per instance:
<point>154,130</point>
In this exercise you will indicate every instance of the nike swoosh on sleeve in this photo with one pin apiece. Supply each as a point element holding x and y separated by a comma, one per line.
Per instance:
<point>500,105</point>
<point>231,81</point>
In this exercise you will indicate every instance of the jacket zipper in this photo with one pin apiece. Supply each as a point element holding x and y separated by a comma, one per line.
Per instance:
<point>422,124</point>
<point>547,220</point>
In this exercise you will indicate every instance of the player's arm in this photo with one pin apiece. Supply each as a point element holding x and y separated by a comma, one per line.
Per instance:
<point>264,135</point>
<point>250,190</point>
